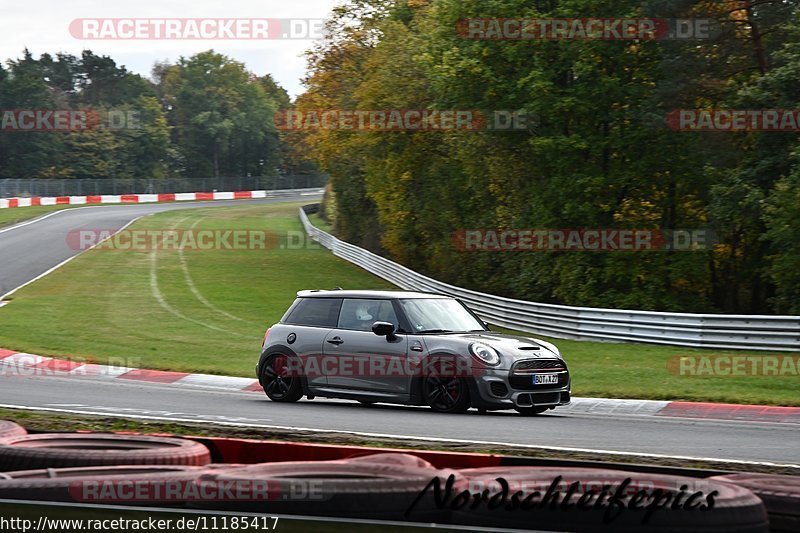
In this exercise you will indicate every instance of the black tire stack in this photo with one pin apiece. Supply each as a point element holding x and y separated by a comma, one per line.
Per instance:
<point>390,486</point>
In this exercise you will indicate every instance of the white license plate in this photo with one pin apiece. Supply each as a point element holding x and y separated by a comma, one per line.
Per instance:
<point>545,379</point>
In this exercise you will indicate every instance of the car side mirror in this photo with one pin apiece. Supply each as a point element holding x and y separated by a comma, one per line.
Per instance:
<point>383,329</point>
<point>486,325</point>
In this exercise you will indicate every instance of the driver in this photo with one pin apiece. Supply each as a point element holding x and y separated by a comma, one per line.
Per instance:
<point>365,314</point>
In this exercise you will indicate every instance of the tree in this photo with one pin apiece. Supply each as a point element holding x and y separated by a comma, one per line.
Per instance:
<point>27,154</point>
<point>223,120</point>
<point>600,155</point>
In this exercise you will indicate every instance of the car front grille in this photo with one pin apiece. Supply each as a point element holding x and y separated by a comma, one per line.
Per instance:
<point>522,372</point>
<point>539,364</point>
<point>540,399</point>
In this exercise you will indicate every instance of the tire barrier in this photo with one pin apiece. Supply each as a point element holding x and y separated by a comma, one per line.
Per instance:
<point>632,502</point>
<point>11,429</point>
<point>174,472</point>
<point>399,459</point>
<point>143,485</point>
<point>780,494</point>
<point>236,450</point>
<point>356,488</point>
<point>57,450</point>
<point>123,484</point>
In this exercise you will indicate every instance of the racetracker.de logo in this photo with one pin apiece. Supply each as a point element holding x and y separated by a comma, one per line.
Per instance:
<point>582,29</point>
<point>183,29</point>
<point>176,239</point>
<point>734,365</point>
<point>581,240</point>
<point>66,120</point>
<point>29,365</point>
<point>387,120</point>
<point>172,490</point>
<point>382,366</point>
<point>734,120</point>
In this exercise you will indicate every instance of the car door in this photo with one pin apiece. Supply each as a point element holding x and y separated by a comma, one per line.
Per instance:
<point>356,358</point>
<point>306,327</point>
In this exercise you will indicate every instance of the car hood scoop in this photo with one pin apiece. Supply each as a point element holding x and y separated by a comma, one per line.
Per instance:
<point>509,344</point>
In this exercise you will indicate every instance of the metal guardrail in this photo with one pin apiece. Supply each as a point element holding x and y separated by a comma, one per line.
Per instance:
<point>750,332</point>
<point>306,191</point>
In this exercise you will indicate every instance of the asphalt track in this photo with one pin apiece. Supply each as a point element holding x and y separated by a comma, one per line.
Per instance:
<point>736,441</point>
<point>29,250</point>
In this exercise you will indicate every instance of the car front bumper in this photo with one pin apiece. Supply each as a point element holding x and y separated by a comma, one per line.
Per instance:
<point>494,390</point>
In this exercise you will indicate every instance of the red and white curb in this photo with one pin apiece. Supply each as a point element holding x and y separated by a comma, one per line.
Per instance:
<point>672,409</point>
<point>152,198</point>
<point>29,365</point>
<point>25,364</point>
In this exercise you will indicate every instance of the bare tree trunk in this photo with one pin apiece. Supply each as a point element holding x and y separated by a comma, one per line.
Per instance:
<point>756,37</point>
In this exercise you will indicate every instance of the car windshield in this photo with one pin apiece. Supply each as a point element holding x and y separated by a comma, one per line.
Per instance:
<point>439,315</point>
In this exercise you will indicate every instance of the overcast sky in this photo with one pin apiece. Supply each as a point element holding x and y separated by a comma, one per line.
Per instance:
<point>43,26</point>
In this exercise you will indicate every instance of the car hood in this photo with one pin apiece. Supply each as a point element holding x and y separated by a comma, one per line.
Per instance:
<point>514,346</point>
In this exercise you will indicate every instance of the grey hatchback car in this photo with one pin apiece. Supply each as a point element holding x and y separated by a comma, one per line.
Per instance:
<point>408,348</point>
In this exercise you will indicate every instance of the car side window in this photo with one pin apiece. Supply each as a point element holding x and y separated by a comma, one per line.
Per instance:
<point>360,314</point>
<point>320,312</point>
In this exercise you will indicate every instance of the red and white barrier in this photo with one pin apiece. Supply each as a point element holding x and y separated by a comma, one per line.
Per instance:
<point>153,198</point>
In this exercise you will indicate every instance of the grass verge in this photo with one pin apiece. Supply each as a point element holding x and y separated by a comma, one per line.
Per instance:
<point>319,222</point>
<point>206,311</point>
<point>193,311</point>
<point>15,215</point>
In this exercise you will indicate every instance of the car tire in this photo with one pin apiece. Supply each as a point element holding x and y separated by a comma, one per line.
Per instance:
<point>62,450</point>
<point>11,429</point>
<point>277,379</point>
<point>442,392</point>
<point>531,411</point>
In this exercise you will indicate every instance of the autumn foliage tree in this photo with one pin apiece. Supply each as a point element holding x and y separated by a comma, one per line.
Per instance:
<point>600,155</point>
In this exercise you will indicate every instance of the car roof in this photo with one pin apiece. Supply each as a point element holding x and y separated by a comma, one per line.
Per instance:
<point>376,295</point>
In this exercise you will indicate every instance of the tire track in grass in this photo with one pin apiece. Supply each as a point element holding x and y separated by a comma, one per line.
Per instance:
<point>159,296</point>
<point>195,291</point>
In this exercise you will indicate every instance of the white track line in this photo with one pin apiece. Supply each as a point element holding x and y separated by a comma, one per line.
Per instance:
<point>413,437</point>
<point>37,219</point>
<point>67,260</point>
<point>61,211</point>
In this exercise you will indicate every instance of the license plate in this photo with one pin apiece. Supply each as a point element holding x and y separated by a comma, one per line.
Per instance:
<point>545,379</point>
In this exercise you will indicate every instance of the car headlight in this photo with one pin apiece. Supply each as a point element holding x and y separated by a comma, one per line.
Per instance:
<point>549,345</point>
<point>487,354</point>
